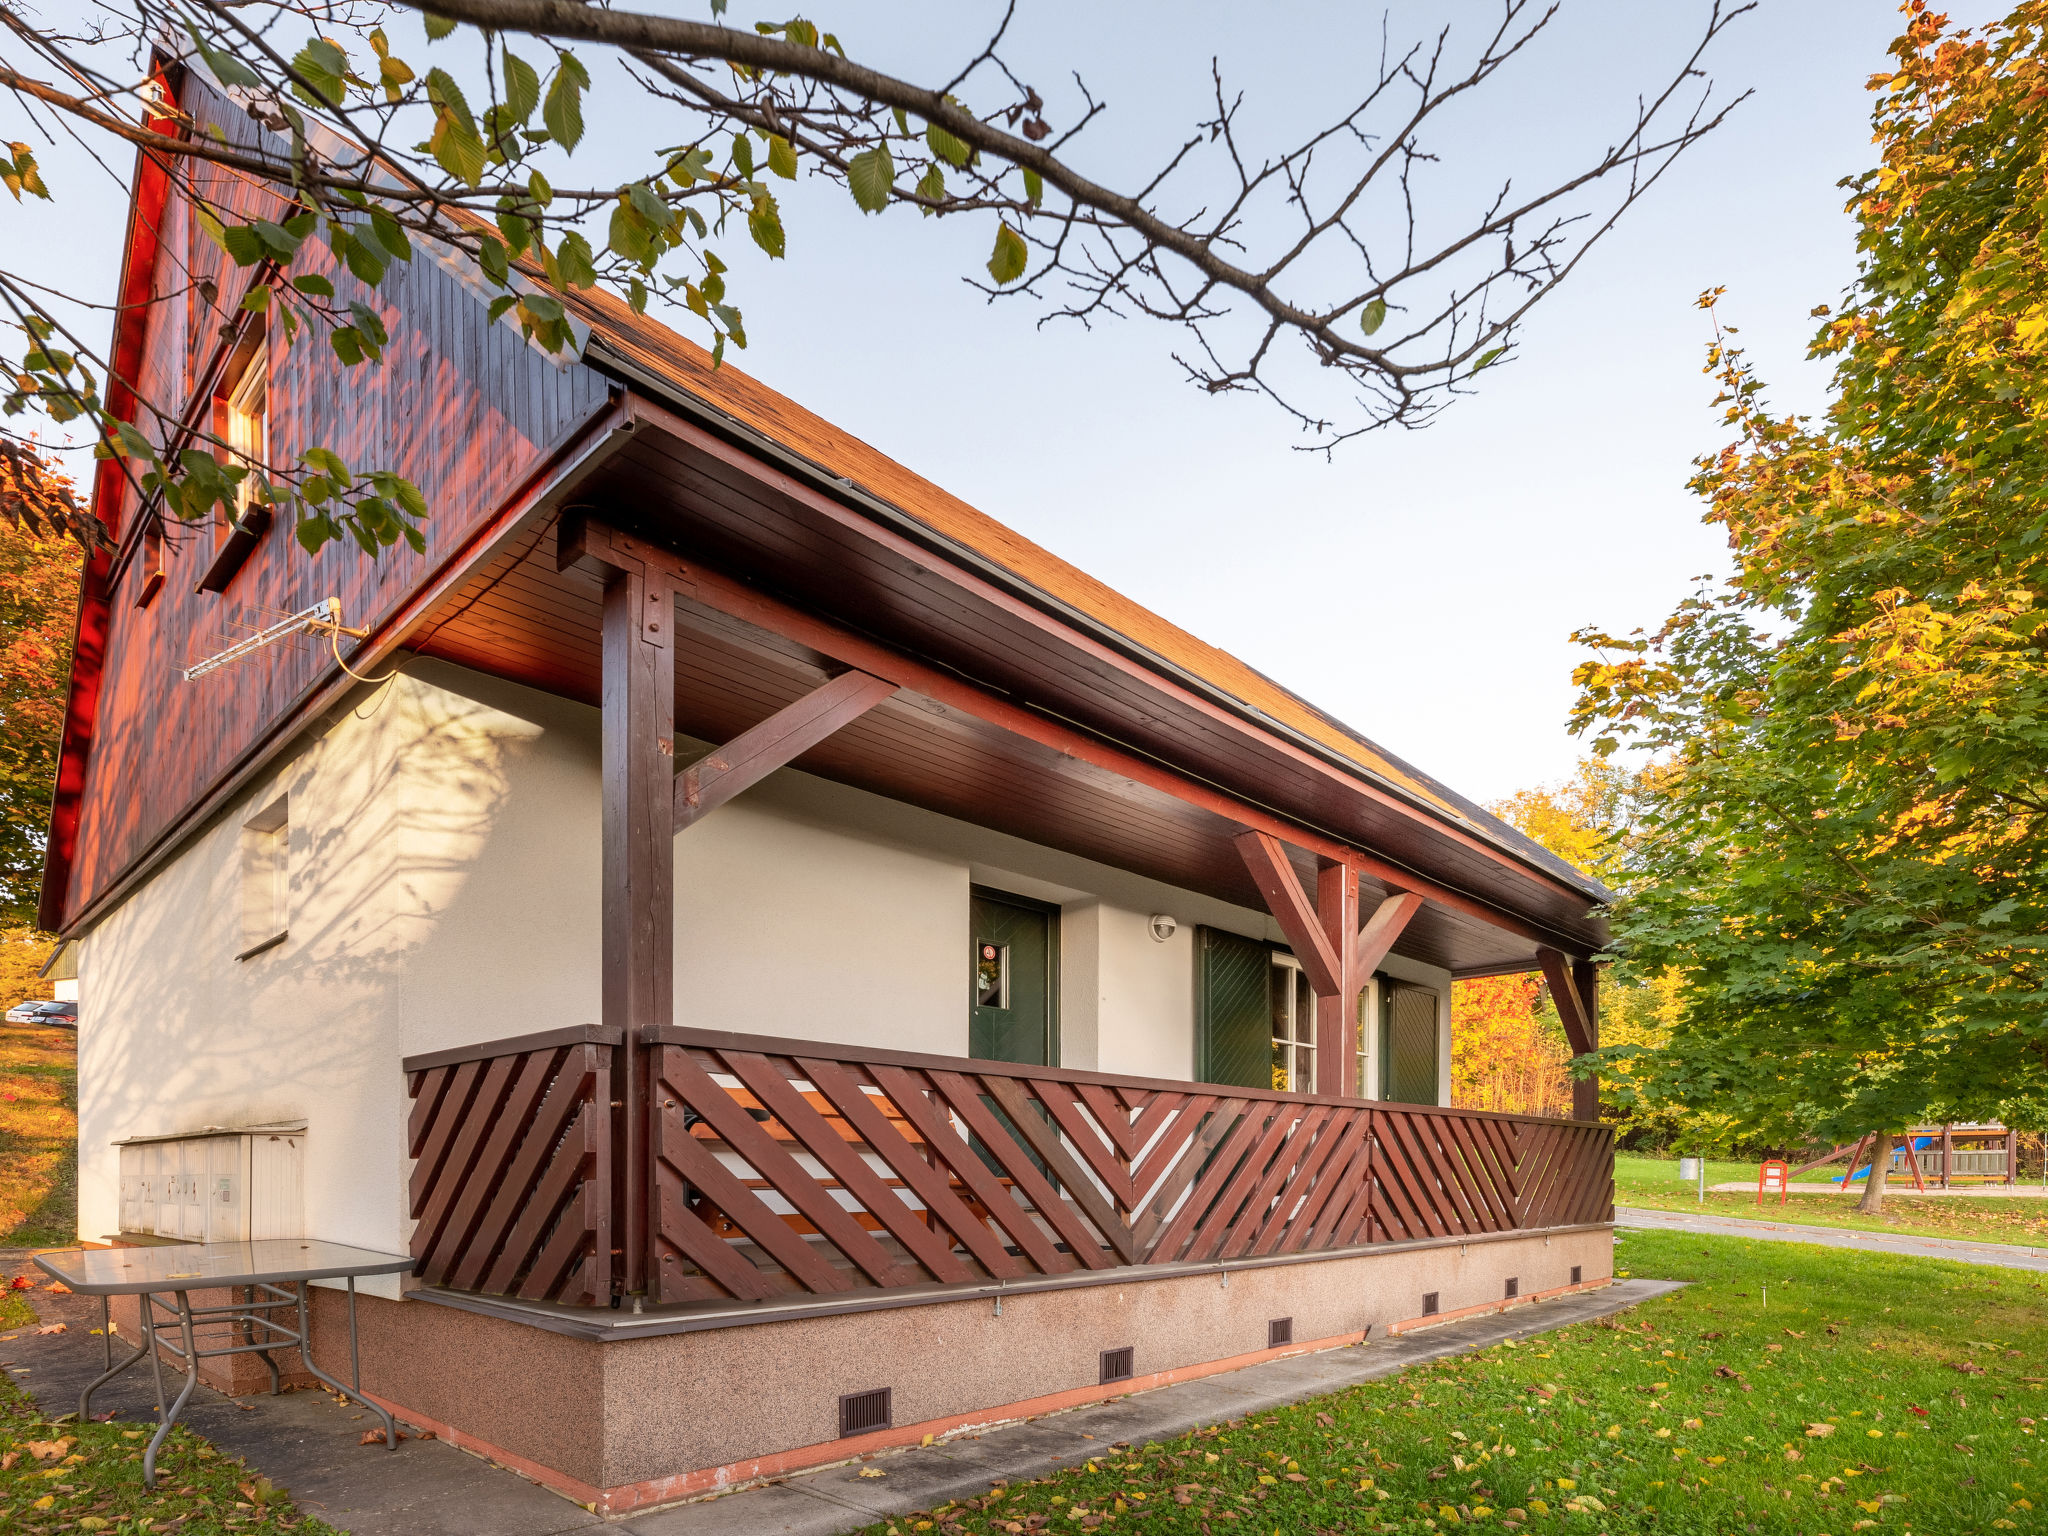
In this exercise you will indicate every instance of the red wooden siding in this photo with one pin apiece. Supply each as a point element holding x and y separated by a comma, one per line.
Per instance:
<point>466,409</point>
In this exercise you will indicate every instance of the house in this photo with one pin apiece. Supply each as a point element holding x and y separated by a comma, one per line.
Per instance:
<point>1012,1000</point>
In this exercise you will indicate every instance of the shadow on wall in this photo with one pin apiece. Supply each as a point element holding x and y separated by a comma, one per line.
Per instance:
<point>443,868</point>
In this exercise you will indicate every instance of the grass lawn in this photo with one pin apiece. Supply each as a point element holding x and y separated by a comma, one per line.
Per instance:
<point>1651,1181</point>
<point>1867,1392</point>
<point>38,1136</point>
<point>72,1477</point>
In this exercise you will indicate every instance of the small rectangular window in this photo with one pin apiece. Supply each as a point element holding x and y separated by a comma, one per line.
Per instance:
<point>1294,1027</point>
<point>1576,1272</point>
<point>1514,1287</point>
<point>1279,1332</point>
<point>246,426</point>
<point>1429,1300</point>
<point>266,877</point>
<point>1116,1364</point>
<point>992,975</point>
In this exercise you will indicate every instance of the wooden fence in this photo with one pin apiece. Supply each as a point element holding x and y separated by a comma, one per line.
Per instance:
<point>796,1168</point>
<point>512,1172</point>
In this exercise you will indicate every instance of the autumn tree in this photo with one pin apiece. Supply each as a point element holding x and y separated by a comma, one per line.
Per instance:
<point>38,597</point>
<point>1321,274</point>
<point>1845,857</point>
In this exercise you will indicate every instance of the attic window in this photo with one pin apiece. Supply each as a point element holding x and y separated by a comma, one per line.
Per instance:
<point>241,420</point>
<point>266,877</point>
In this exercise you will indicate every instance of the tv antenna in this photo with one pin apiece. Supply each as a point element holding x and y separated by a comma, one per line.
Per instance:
<point>323,618</point>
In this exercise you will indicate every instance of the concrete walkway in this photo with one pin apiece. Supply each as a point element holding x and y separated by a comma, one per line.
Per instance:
<point>308,1444</point>
<point>2003,1255</point>
<point>1902,1190</point>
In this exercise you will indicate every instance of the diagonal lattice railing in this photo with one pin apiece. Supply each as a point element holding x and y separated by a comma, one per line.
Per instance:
<point>511,1189</point>
<point>795,1167</point>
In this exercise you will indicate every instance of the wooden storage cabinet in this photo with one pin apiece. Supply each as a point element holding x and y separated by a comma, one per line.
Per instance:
<point>219,1186</point>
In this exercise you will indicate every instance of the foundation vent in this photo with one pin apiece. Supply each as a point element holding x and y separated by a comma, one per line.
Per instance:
<point>863,1412</point>
<point>1429,1308</point>
<point>1576,1272</point>
<point>1514,1287</point>
<point>1279,1331</point>
<point>1116,1364</point>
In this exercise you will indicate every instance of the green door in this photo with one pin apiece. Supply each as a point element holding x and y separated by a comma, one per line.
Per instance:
<point>1408,1043</point>
<point>1233,1009</point>
<point>1014,972</point>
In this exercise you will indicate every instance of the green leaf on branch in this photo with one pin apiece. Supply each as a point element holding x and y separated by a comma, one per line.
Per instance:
<point>947,147</point>
<point>1487,358</point>
<point>456,145</point>
<point>314,284</point>
<point>871,175</point>
<point>522,87</point>
<point>1373,317</point>
<point>563,111</point>
<point>225,67</point>
<point>764,223</point>
<point>931,186</point>
<point>1010,258</point>
<point>19,174</point>
<point>743,155</point>
<point>437,27</point>
<point>1034,187</point>
<point>781,157</point>
<point>322,69</point>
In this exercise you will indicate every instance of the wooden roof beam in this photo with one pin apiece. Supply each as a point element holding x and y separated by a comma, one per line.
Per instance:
<point>750,605</point>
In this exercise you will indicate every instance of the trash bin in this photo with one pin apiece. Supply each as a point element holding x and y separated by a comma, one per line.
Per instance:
<point>1689,1169</point>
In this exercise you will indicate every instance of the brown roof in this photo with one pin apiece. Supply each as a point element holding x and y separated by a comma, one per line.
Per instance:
<point>680,363</point>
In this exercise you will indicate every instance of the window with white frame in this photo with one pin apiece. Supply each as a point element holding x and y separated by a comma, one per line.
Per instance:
<point>266,877</point>
<point>246,420</point>
<point>1294,1026</point>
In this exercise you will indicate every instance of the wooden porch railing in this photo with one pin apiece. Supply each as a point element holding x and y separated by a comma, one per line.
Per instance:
<point>512,1172</point>
<point>786,1168</point>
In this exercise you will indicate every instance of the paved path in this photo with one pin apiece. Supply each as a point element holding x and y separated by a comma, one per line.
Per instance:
<point>2004,1255</point>
<point>1902,1190</point>
<point>307,1443</point>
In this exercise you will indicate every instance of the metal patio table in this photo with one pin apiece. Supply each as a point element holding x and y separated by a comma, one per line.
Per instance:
<point>271,1275</point>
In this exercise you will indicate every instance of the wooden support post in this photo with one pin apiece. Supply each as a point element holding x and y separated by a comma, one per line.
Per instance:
<point>1849,1177</point>
<point>1337,1012</point>
<point>1575,992</point>
<point>638,923</point>
<point>1948,1152</point>
<point>2012,1156</point>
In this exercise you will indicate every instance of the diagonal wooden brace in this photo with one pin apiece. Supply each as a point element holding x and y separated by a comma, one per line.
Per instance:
<point>780,739</point>
<point>1385,925</point>
<point>1266,857</point>
<point>1574,991</point>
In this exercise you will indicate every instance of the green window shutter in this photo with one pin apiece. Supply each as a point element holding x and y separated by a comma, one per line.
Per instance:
<point>1408,1043</point>
<point>1233,1011</point>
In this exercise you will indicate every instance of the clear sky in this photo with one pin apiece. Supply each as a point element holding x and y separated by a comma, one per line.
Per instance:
<point>1420,586</point>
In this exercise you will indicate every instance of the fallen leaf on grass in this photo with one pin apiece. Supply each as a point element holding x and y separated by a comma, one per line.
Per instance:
<point>49,1450</point>
<point>8,1460</point>
<point>1819,1431</point>
<point>1966,1367</point>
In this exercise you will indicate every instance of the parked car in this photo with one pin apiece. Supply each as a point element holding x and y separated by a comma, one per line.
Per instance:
<point>61,1014</point>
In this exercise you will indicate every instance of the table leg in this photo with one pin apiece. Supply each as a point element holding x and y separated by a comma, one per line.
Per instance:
<point>112,1370</point>
<point>249,1337</point>
<point>356,1392</point>
<point>106,1332</point>
<point>184,1393</point>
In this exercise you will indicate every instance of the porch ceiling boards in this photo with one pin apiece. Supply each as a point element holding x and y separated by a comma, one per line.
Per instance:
<point>716,506</point>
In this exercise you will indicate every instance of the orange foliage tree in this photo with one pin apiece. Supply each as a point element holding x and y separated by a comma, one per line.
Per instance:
<point>1508,1050</point>
<point>38,598</point>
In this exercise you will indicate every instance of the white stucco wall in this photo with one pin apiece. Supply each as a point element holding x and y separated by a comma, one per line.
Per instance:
<point>443,852</point>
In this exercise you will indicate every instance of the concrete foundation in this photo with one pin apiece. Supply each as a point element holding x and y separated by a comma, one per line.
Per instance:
<point>625,1423</point>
